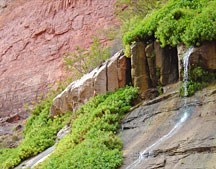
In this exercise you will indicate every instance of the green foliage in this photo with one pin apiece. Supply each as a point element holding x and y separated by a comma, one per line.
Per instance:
<point>198,79</point>
<point>93,142</point>
<point>178,21</point>
<point>39,134</point>
<point>82,60</point>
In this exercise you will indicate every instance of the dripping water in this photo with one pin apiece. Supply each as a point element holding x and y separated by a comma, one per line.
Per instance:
<point>184,116</point>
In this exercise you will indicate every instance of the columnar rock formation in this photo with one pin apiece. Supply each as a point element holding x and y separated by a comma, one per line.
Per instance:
<point>33,39</point>
<point>153,65</point>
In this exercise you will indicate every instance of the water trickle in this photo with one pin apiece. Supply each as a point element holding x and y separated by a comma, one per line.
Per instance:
<point>184,116</point>
<point>186,66</point>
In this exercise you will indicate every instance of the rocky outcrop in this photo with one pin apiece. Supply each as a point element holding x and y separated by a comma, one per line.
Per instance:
<point>153,65</point>
<point>139,67</point>
<point>166,63</point>
<point>190,145</point>
<point>204,56</point>
<point>34,38</point>
<point>108,77</point>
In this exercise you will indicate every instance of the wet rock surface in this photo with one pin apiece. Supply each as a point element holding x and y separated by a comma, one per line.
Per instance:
<point>191,146</point>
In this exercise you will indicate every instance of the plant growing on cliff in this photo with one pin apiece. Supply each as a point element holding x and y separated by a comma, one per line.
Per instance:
<point>39,134</point>
<point>188,22</point>
<point>198,79</point>
<point>84,60</point>
<point>93,142</point>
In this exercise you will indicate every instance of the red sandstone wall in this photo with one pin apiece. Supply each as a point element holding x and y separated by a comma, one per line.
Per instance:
<point>34,35</point>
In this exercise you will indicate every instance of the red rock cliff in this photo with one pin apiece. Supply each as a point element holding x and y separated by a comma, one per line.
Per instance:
<point>34,35</point>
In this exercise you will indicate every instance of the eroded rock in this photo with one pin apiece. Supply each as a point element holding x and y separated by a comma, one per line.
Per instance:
<point>139,67</point>
<point>108,77</point>
<point>35,37</point>
<point>192,145</point>
<point>204,56</point>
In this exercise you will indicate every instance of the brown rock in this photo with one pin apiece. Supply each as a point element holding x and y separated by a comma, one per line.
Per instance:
<point>139,67</point>
<point>150,54</point>
<point>123,69</point>
<point>77,93</point>
<point>112,73</point>
<point>204,56</point>
<point>13,119</point>
<point>167,63</point>
<point>102,79</point>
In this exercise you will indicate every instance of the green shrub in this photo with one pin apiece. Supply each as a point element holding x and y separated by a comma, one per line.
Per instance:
<point>82,60</point>
<point>39,134</point>
<point>93,142</point>
<point>178,21</point>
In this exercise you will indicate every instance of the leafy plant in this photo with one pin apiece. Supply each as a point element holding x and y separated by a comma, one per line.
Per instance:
<point>93,142</point>
<point>188,22</point>
<point>82,60</point>
<point>39,134</point>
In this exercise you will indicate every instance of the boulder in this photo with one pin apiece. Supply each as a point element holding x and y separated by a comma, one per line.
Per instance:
<point>139,67</point>
<point>77,93</point>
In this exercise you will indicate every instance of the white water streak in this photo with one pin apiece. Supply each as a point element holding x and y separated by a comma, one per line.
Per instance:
<point>178,125</point>
<point>186,67</point>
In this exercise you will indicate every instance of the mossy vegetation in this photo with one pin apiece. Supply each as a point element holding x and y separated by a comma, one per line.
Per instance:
<point>178,21</point>
<point>93,142</point>
<point>198,79</point>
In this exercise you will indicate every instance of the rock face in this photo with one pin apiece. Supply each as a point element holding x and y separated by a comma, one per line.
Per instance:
<point>152,65</point>
<point>204,56</point>
<point>108,77</point>
<point>152,127</point>
<point>139,67</point>
<point>166,63</point>
<point>34,38</point>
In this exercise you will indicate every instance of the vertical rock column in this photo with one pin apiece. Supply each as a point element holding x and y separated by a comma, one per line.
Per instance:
<point>167,63</point>
<point>139,67</point>
<point>150,54</point>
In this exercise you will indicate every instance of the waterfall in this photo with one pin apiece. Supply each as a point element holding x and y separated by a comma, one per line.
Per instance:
<point>186,66</point>
<point>184,116</point>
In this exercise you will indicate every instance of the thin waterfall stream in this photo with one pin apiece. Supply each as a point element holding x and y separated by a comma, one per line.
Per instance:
<point>183,117</point>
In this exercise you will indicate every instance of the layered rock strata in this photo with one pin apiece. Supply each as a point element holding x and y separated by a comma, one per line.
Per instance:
<point>34,38</point>
<point>193,145</point>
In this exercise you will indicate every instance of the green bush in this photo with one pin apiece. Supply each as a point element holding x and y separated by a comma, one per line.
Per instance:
<point>84,60</point>
<point>178,21</point>
<point>39,134</point>
<point>93,142</point>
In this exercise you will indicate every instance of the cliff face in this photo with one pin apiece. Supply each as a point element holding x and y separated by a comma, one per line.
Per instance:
<point>158,135</point>
<point>34,35</point>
